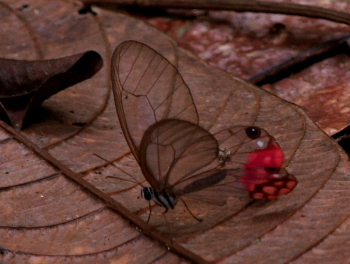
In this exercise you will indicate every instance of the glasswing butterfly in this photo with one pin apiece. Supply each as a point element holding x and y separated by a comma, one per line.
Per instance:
<point>178,157</point>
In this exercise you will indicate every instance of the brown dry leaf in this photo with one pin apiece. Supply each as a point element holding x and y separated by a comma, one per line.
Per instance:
<point>49,214</point>
<point>26,84</point>
<point>247,44</point>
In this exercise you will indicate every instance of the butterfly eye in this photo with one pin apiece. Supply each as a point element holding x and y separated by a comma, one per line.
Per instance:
<point>253,132</point>
<point>272,170</point>
<point>147,193</point>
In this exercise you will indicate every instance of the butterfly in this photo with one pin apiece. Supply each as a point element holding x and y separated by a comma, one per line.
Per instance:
<point>177,156</point>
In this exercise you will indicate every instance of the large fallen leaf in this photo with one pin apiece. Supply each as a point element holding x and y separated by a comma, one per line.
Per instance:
<point>51,214</point>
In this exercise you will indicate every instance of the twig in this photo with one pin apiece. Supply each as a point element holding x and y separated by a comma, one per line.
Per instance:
<point>239,6</point>
<point>301,61</point>
<point>109,201</point>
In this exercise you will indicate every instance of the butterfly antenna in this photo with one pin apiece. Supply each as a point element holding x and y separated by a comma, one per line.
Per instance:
<point>188,209</point>
<point>114,177</point>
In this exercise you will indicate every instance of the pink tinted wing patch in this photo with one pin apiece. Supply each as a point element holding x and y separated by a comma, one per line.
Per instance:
<point>272,156</point>
<point>264,177</point>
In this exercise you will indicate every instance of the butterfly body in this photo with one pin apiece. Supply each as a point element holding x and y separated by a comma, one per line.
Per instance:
<point>169,153</point>
<point>163,198</point>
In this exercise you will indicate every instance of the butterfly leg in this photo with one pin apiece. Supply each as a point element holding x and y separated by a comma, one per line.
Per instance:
<point>150,211</point>
<point>188,209</point>
<point>167,224</point>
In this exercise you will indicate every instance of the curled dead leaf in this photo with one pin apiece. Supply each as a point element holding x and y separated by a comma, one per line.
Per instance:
<point>24,85</point>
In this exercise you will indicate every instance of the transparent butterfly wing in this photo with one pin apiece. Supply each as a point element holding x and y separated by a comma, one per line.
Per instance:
<point>254,183</point>
<point>173,150</point>
<point>147,89</point>
<point>213,186</point>
<point>236,144</point>
<point>248,167</point>
<point>235,147</point>
<point>262,184</point>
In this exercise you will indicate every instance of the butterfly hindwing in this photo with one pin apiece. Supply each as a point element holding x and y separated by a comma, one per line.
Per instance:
<point>264,176</point>
<point>173,150</point>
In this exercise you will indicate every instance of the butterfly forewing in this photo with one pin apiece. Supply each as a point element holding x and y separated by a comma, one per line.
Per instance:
<point>172,151</point>
<point>147,89</point>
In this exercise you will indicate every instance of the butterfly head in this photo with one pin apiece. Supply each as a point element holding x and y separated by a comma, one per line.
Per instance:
<point>165,199</point>
<point>147,193</point>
